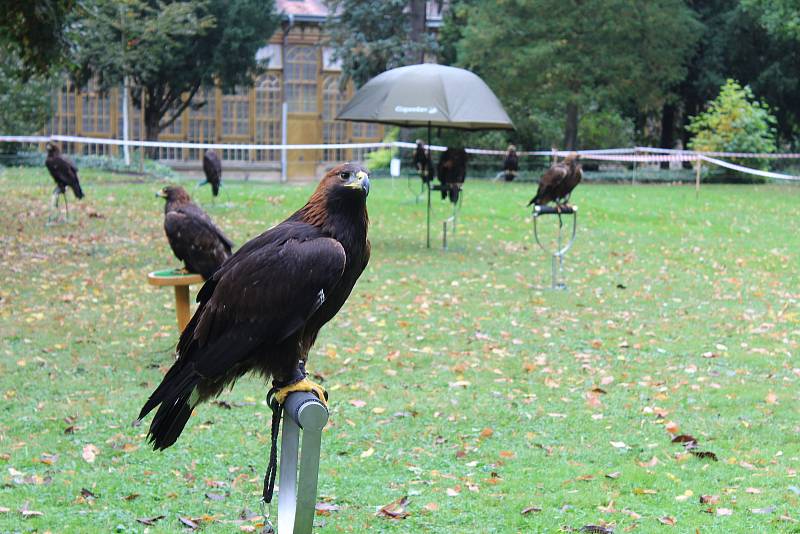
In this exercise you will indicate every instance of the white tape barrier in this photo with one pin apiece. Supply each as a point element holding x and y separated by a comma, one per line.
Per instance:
<point>652,154</point>
<point>169,144</point>
<point>749,170</point>
<point>753,155</point>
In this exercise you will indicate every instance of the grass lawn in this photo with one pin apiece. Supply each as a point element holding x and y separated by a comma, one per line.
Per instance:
<point>455,379</point>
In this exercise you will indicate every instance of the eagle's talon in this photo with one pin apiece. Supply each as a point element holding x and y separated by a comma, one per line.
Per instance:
<point>303,385</point>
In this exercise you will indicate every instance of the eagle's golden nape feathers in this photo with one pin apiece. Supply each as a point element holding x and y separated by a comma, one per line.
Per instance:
<point>347,176</point>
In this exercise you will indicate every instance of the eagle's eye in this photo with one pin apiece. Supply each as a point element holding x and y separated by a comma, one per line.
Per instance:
<point>344,175</point>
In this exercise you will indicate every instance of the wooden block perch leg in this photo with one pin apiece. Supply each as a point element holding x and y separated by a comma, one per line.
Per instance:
<point>182,306</point>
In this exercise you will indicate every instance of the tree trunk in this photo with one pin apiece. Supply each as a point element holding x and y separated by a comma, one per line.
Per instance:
<point>667,129</point>
<point>418,18</point>
<point>571,127</point>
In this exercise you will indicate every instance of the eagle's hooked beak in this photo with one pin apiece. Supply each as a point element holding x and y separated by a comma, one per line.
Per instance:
<point>161,194</point>
<point>359,181</point>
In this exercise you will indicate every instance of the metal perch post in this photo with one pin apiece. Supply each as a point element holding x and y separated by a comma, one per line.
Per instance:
<point>297,491</point>
<point>561,249</point>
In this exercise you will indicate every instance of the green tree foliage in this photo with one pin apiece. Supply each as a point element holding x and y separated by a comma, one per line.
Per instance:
<point>735,45</point>
<point>545,56</point>
<point>35,31</point>
<point>779,17</point>
<point>169,50</point>
<point>734,122</point>
<point>24,97</point>
<point>370,37</point>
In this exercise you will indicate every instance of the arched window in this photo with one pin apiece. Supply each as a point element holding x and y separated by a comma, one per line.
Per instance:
<point>268,115</point>
<point>333,131</point>
<point>302,65</point>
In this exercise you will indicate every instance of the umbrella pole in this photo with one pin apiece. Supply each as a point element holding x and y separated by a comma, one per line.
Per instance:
<point>428,183</point>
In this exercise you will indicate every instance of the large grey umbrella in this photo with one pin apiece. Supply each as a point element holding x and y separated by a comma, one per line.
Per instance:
<point>428,95</point>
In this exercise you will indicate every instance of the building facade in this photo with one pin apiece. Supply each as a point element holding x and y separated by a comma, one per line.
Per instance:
<point>300,71</point>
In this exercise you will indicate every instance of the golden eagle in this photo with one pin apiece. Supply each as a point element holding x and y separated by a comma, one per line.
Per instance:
<point>557,183</point>
<point>64,173</point>
<point>452,172</point>
<point>422,162</point>
<point>262,310</point>
<point>212,168</point>
<point>194,238</point>
<point>510,164</point>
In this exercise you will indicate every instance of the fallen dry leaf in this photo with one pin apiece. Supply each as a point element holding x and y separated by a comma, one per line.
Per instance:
<point>530,509</point>
<point>709,499</point>
<point>150,521</point>
<point>325,508</point>
<point>667,520</point>
<point>90,452</point>
<point>652,462</point>
<point>189,522</point>
<point>687,440</point>
<point>771,398</point>
<point>672,427</point>
<point>767,510</point>
<point>615,475</point>
<point>395,509</point>
<point>431,507</point>
<point>724,511</point>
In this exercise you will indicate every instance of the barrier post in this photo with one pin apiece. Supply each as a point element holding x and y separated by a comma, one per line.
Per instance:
<point>698,170</point>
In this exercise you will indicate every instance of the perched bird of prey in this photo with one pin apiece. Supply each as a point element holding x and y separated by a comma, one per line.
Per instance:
<point>64,173</point>
<point>194,238</point>
<point>557,183</point>
<point>212,167</point>
<point>510,164</point>
<point>422,162</point>
<point>452,172</point>
<point>262,310</point>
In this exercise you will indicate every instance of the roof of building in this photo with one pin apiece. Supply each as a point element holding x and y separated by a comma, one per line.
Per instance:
<point>317,11</point>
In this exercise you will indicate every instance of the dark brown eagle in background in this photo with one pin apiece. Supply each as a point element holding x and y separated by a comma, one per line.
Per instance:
<point>510,164</point>
<point>557,183</point>
<point>422,162</point>
<point>193,236</point>
<point>212,168</point>
<point>452,172</point>
<point>64,173</point>
<point>262,310</point>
